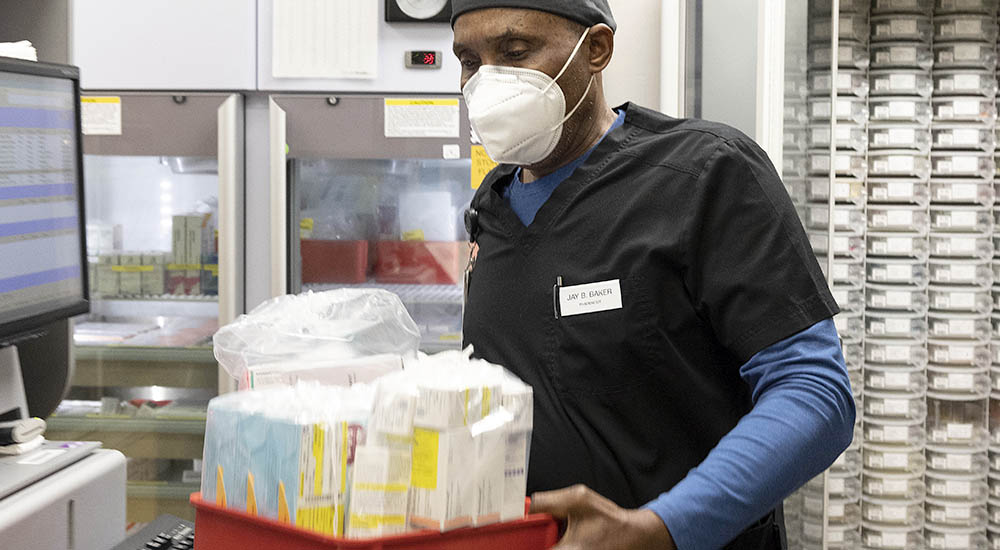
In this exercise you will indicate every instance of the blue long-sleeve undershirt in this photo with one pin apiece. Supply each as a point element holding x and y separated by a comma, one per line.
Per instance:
<point>802,419</point>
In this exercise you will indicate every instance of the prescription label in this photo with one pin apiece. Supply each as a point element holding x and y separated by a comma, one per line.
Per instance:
<point>425,459</point>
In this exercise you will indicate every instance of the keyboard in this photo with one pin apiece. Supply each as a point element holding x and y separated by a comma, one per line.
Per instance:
<point>166,532</point>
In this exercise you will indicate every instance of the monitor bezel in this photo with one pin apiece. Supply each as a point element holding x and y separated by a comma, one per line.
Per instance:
<point>13,330</point>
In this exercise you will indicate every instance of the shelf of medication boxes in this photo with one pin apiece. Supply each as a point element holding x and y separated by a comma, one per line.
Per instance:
<point>395,224</point>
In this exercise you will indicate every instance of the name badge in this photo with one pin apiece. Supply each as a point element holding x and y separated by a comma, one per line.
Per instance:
<point>590,298</point>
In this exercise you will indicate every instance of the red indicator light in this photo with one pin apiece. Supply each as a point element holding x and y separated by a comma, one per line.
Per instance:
<point>429,59</point>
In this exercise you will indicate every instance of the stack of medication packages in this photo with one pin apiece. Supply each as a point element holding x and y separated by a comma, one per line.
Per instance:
<point>441,445</point>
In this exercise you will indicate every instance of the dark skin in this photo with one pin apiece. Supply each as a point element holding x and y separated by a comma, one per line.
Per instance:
<point>543,42</point>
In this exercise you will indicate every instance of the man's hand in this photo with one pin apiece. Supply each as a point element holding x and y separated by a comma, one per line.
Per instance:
<point>594,522</point>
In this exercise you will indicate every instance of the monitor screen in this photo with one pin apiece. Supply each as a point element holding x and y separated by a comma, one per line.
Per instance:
<point>42,269</point>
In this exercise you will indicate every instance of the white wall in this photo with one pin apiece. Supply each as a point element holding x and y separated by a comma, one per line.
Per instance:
<point>634,73</point>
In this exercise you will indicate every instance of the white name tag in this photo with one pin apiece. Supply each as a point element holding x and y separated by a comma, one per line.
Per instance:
<point>590,298</point>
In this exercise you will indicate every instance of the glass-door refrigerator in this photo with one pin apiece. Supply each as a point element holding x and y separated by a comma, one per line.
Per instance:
<point>370,191</point>
<point>164,184</point>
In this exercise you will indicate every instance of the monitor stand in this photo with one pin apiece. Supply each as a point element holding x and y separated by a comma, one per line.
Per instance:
<point>13,401</point>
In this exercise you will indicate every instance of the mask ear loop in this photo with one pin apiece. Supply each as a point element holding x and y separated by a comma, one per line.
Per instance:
<point>568,61</point>
<point>572,56</point>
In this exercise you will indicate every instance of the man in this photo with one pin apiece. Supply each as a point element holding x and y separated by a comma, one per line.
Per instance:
<point>649,278</point>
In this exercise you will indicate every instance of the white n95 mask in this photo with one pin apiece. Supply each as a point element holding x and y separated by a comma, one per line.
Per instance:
<point>519,113</point>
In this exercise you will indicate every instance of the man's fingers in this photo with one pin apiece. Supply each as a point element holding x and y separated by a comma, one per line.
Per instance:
<point>561,503</point>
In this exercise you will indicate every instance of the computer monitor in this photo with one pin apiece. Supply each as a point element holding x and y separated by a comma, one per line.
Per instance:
<point>43,275</point>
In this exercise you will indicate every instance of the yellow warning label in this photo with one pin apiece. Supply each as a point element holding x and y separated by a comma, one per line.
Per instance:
<point>212,268</point>
<point>306,226</point>
<point>436,102</point>
<point>318,519</point>
<point>132,268</point>
<point>319,442</point>
<point>425,459</point>
<point>415,235</point>
<point>481,165</point>
<point>184,267</point>
<point>100,99</point>
<point>487,397</point>
<point>383,487</point>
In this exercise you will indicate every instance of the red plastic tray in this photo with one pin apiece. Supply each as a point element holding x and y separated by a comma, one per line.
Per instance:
<point>334,261</point>
<point>419,262</point>
<point>218,528</point>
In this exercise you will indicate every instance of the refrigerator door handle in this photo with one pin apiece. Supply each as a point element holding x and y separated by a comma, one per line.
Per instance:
<point>279,200</point>
<point>231,217</point>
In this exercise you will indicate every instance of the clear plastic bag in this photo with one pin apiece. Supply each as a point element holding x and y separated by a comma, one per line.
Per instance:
<point>316,330</point>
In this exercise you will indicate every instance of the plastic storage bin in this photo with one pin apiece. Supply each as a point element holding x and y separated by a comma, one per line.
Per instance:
<point>892,405</point>
<point>895,324</point>
<point>880,7</point>
<point>905,218</point>
<point>419,262</point>
<point>848,136</point>
<point>960,460</point>
<point>965,245</point>
<point>898,163</point>
<point>955,513</point>
<point>960,353</point>
<point>965,55</point>
<point>905,432</point>
<point>226,529</point>
<point>955,538</point>
<point>966,382</point>
<point>967,299</point>
<point>892,511</point>
<point>912,380</point>
<point>888,537</point>
<point>904,272</point>
<point>909,27</point>
<point>958,325</point>
<point>898,82</point>
<point>899,136</point>
<point>845,190</point>
<point>966,26</point>
<point>962,191</point>
<point>913,110</point>
<point>977,273</point>
<point>965,82</point>
<point>901,55</point>
<point>890,458</point>
<point>956,486</point>
<point>897,191</point>
<point>850,55</point>
<point>334,261</point>
<point>906,486</point>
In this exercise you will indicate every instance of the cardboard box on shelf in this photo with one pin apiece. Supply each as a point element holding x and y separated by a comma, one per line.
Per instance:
<point>130,274</point>
<point>192,282</point>
<point>194,226</point>
<point>107,277</point>
<point>154,281</point>
<point>178,242</point>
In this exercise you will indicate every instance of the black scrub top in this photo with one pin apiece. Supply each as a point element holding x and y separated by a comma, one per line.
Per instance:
<point>713,265</point>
